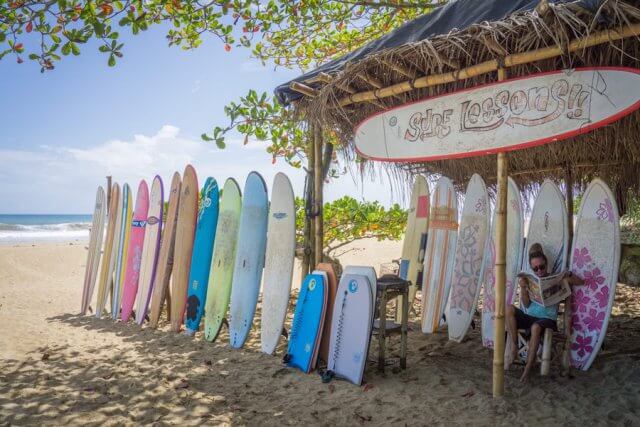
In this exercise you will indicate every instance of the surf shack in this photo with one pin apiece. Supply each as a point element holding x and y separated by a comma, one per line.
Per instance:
<point>530,90</point>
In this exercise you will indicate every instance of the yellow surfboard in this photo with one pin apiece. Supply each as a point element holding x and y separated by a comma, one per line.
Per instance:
<point>107,265</point>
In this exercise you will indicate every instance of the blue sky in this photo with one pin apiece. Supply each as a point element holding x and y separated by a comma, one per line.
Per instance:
<point>63,131</point>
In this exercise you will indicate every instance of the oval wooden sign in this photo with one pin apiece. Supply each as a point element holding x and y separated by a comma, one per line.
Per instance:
<point>503,116</point>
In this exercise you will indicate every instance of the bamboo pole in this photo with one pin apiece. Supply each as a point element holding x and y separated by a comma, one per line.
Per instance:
<point>317,195</point>
<point>566,352</point>
<point>303,89</point>
<point>493,65</point>
<point>500,283</point>
<point>308,221</point>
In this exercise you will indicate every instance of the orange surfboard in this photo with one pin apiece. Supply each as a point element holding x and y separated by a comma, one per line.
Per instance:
<point>332,287</point>
<point>185,232</point>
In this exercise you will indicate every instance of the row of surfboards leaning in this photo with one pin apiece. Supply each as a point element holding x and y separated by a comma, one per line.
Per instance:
<point>206,253</point>
<point>450,254</point>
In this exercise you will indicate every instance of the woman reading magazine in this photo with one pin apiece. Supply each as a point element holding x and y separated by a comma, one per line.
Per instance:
<point>532,315</point>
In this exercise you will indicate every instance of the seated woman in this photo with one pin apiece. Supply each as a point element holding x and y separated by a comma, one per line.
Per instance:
<point>532,315</point>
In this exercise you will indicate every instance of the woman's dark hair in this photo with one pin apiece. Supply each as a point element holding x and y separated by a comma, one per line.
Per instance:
<point>535,251</point>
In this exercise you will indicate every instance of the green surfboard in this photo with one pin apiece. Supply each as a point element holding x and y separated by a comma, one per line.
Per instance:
<point>224,255</point>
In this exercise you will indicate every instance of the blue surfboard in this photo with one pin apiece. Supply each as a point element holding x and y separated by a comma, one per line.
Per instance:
<point>306,329</point>
<point>201,256</point>
<point>250,251</point>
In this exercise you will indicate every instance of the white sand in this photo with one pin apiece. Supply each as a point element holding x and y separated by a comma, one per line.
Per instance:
<point>57,367</point>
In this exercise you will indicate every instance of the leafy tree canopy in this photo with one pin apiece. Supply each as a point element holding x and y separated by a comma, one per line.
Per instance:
<point>347,220</point>
<point>286,33</point>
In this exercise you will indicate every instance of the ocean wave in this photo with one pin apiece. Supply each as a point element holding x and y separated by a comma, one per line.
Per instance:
<point>39,228</point>
<point>27,233</point>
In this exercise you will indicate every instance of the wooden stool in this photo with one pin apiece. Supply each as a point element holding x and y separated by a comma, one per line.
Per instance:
<point>390,287</point>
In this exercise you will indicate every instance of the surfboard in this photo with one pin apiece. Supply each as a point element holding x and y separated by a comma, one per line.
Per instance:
<point>332,288</point>
<point>596,259</point>
<point>415,240</point>
<point>307,325</point>
<point>121,262</point>
<point>165,257</point>
<point>514,261</point>
<point>115,252</point>
<point>107,259</point>
<point>350,330</point>
<point>95,249</point>
<point>370,274</point>
<point>516,113</point>
<point>185,233</point>
<point>134,253</point>
<point>440,254</point>
<point>278,267</point>
<point>471,246</point>
<point>150,248</point>
<point>250,252</point>
<point>201,258</point>
<point>548,226</point>
<point>223,260</point>
<point>323,317</point>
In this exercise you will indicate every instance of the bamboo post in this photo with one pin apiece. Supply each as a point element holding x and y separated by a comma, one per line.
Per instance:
<point>566,352</point>
<point>500,283</point>
<point>307,258</point>
<point>317,195</point>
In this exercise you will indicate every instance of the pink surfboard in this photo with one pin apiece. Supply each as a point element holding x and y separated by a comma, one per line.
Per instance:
<point>134,255</point>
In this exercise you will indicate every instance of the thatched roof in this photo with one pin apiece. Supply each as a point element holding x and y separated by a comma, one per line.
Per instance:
<point>612,152</point>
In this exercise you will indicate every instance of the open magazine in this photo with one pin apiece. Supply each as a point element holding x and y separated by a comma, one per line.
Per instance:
<point>548,290</point>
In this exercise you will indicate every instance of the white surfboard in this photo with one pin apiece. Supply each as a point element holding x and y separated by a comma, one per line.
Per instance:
<point>548,226</point>
<point>151,247</point>
<point>595,258</point>
<point>439,255</point>
<point>350,331</point>
<point>471,245</point>
<point>278,267</point>
<point>95,249</point>
<point>514,260</point>
<point>415,240</point>
<point>370,274</point>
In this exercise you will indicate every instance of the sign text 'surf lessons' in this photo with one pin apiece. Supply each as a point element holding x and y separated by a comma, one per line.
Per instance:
<point>502,116</point>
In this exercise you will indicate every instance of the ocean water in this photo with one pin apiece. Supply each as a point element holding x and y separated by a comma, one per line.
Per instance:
<point>34,228</point>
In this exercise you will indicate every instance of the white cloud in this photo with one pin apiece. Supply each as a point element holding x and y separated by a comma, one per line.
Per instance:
<point>63,179</point>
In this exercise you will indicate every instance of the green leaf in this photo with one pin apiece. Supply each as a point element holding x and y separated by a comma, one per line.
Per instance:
<point>112,60</point>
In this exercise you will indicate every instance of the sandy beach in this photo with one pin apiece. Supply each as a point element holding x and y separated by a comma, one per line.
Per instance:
<point>59,368</point>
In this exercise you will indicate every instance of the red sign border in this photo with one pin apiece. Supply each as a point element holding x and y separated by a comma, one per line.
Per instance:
<point>533,143</point>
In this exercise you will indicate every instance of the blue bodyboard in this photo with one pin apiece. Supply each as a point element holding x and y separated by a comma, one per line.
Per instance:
<point>307,321</point>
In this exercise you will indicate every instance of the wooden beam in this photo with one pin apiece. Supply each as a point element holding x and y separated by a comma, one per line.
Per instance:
<point>501,263</point>
<point>492,65</point>
<point>303,89</point>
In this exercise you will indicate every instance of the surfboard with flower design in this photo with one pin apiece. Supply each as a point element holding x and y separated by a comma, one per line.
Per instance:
<point>595,257</point>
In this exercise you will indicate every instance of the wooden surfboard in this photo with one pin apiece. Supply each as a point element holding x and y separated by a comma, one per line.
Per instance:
<point>332,288</point>
<point>415,241</point>
<point>222,262</point>
<point>549,227</point>
<point>185,233</point>
<point>95,249</point>
<point>134,254</point>
<point>115,252</point>
<point>202,252</point>
<point>502,116</point>
<point>596,259</point>
<point>439,255</point>
<point>473,235</point>
<point>247,271</point>
<point>514,261</point>
<point>278,268</point>
<point>165,258</point>
<point>107,260</point>
<point>150,248</point>
<point>121,261</point>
